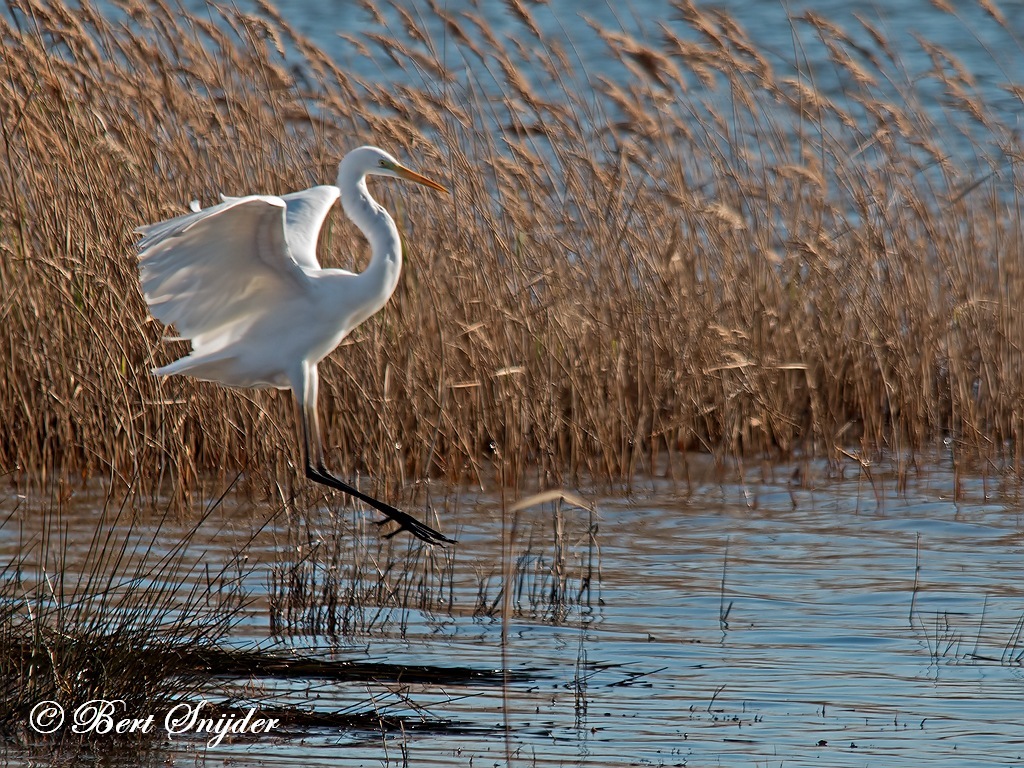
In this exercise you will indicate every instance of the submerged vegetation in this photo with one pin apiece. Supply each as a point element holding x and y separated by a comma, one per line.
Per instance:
<point>714,254</point>
<point>546,567</point>
<point>142,619</point>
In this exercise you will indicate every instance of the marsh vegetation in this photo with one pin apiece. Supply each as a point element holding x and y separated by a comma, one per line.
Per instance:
<point>715,256</point>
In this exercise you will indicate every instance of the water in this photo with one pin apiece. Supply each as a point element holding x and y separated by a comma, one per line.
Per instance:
<point>989,50</point>
<point>755,623</point>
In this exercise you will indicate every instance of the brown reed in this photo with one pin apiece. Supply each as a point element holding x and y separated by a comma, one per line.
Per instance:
<point>715,254</point>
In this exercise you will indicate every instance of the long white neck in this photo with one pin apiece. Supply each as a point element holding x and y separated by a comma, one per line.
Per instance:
<point>380,278</point>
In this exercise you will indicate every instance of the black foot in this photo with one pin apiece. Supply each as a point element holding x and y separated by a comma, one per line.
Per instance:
<point>406,522</point>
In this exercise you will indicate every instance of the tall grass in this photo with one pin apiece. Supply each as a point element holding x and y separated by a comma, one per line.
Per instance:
<point>714,254</point>
<point>120,616</point>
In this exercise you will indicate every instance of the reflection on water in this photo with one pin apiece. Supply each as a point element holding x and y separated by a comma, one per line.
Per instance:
<point>758,623</point>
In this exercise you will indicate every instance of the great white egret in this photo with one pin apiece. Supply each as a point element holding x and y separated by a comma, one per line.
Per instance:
<point>241,280</point>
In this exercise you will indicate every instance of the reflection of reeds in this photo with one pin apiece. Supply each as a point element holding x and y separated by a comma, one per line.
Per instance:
<point>715,253</point>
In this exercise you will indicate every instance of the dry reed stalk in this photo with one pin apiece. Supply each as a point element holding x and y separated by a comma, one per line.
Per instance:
<point>719,255</point>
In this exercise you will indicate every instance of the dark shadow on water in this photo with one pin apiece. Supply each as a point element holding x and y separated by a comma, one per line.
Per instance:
<point>270,664</point>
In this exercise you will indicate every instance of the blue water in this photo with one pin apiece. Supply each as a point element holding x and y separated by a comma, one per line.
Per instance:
<point>987,49</point>
<point>839,621</point>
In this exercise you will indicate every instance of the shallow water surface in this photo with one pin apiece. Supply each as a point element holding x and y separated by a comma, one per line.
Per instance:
<point>830,622</point>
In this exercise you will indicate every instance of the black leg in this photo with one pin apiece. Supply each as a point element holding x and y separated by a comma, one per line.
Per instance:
<point>305,387</point>
<point>406,522</point>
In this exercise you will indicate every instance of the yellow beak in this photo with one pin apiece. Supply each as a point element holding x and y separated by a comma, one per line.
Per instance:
<point>405,173</point>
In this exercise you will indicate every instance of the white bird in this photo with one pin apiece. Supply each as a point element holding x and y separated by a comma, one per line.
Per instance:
<point>241,280</point>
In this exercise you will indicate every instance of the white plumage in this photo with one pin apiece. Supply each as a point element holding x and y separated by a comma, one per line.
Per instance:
<point>242,282</point>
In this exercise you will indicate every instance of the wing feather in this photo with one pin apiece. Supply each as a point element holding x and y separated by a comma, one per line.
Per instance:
<point>211,270</point>
<point>304,217</point>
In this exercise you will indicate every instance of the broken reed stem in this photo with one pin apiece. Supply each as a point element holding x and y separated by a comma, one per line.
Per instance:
<point>713,253</point>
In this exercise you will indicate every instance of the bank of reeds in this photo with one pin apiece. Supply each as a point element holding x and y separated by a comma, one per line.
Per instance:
<point>119,617</point>
<point>715,253</point>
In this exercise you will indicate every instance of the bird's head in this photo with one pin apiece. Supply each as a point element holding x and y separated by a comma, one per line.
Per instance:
<point>373,161</point>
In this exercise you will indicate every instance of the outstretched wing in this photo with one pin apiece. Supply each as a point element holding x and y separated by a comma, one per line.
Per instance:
<point>304,217</point>
<point>209,270</point>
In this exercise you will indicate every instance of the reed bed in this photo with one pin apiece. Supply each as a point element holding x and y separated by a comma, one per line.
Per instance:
<point>121,616</point>
<point>715,253</point>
